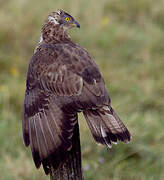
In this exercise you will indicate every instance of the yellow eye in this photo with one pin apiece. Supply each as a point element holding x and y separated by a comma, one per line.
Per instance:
<point>67,19</point>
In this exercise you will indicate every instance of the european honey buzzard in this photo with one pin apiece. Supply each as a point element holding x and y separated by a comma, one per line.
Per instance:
<point>62,80</point>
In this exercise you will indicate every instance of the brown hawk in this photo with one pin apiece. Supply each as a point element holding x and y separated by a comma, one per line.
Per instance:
<point>62,80</point>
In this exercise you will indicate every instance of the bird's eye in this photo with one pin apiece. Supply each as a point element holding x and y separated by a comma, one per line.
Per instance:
<point>67,19</point>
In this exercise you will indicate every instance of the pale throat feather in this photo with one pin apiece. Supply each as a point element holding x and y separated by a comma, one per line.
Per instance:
<point>41,38</point>
<point>50,18</point>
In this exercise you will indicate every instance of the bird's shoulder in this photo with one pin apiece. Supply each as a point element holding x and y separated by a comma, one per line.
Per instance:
<point>66,52</point>
<point>65,69</point>
<point>68,55</point>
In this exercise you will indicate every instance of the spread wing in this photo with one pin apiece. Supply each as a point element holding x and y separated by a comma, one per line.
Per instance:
<point>60,79</point>
<point>47,128</point>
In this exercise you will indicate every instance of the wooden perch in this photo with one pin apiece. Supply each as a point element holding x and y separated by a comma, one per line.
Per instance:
<point>72,167</point>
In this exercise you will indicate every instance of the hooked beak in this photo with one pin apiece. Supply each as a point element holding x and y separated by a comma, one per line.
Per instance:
<point>76,24</point>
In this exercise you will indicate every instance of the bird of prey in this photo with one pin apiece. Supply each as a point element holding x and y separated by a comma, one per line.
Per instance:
<point>62,80</point>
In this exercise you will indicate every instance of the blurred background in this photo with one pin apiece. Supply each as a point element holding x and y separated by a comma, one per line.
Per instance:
<point>126,38</point>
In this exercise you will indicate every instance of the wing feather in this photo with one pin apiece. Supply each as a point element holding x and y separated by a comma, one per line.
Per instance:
<point>48,129</point>
<point>34,143</point>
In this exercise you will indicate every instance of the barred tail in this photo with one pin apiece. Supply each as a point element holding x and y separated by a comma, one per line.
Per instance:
<point>106,126</point>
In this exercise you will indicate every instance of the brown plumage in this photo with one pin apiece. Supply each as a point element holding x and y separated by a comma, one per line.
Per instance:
<point>62,80</point>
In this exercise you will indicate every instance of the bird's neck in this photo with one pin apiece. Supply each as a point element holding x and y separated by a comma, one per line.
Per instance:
<point>54,34</point>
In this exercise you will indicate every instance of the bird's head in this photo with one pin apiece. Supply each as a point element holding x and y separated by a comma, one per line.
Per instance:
<point>63,19</point>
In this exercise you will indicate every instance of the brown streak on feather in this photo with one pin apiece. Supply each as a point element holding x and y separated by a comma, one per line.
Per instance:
<point>37,139</point>
<point>50,131</point>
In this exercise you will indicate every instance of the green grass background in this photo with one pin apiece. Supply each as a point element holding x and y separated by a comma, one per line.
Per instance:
<point>126,38</point>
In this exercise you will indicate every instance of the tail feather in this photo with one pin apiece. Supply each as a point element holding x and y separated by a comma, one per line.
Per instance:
<point>106,127</point>
<point>94,124</point>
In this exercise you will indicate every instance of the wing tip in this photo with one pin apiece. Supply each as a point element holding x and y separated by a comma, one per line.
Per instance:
<point>26,139</point>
